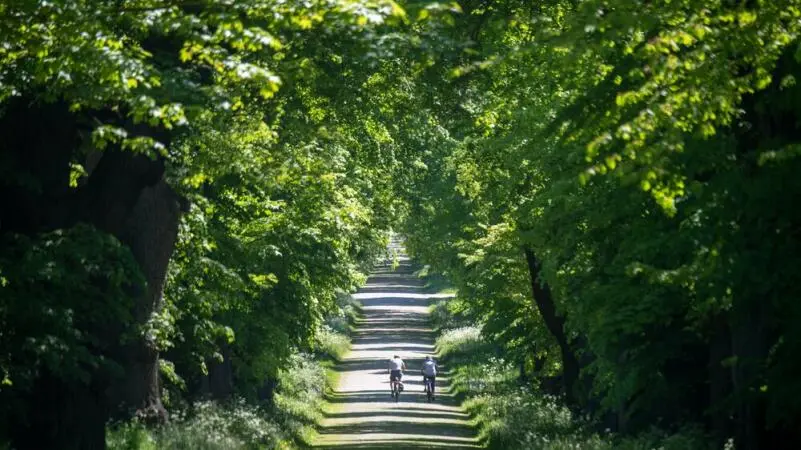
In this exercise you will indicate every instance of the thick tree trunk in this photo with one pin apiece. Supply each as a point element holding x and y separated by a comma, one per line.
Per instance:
<point>266,392</point>
<point>748,346</point>
<point>555,324</point>
<point>124,195</point>
<point>150,231</point>
<point>719,377</point>
<point>221,375</point>
<point>65,416</point>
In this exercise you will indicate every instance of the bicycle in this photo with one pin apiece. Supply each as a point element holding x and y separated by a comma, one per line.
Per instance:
<point>396,387</point>
<point>429,387</point>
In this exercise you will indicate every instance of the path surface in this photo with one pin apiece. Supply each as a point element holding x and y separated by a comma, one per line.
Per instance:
<point>361,414</point>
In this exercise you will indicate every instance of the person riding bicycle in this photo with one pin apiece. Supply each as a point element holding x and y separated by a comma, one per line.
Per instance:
<point>396,368</point>
<point>429,371</point>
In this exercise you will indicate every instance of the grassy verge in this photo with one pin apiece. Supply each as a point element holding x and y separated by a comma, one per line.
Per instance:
<point>335,340</point>
<point>511,415</point>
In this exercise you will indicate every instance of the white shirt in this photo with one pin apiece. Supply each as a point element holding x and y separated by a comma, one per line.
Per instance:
<point>395,364</point>
<point>430,368</point>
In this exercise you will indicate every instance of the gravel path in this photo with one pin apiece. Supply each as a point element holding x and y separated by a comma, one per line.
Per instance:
<point>361,413</point>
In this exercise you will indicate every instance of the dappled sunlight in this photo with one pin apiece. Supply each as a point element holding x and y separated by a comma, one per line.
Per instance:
<point>397,295</point>
<point>361,413</point>
<point>393,345</point>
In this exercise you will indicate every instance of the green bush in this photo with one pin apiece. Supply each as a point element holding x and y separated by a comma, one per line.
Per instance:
<point>463,343</point>
<point>492,376</point>
<point>239,425</point>
<point>347,312</point>
<point>331,343</point>
<point>445,314</point>
<point>523,419</point>
<point>512,417</point>
<point>300,394</point>
<point>209,426</point>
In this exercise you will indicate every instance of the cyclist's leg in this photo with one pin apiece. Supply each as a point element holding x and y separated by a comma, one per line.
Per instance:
<point>394,380</point>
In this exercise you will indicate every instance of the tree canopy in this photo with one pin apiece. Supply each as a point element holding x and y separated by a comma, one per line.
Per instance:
<point>187,186</point>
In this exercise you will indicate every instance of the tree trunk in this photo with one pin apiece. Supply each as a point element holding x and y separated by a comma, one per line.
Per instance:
<point>221,375</point>
<point>125,195</point>
<point>719,377</point>
<point>555,324</point>
<point>150,231</point>
<point>66,416</point>
<point>38,143</point>
<point>266,392</point>
<point>749,349</point>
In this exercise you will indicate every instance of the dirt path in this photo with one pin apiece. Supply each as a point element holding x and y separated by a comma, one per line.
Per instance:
<point>361,413</point>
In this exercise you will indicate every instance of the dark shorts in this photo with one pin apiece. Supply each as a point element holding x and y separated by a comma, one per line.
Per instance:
<point>395,375</point>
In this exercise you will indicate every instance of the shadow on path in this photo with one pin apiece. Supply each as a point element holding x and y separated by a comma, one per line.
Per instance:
<point>361,414</point>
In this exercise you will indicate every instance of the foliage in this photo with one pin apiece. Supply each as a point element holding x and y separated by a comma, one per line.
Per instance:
<point>255,114</point>
<point>331,344</point>
<point>238,424</point>
<point>65,295</point>
<point>511,416</point>
<point>210,427</point>
<point>630,149</point>
<point>519,420</point>
<point>634,163</point>
<point>83,280</point>
<point>463,342</point>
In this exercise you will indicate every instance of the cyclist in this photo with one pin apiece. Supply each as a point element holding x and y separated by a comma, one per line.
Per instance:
<point>396,368</point>
<point>429,371</point>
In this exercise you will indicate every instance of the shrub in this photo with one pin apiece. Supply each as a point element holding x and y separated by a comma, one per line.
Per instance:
<point>444,315</point>
<point>688,438</point>
<point>347,312</point>
<point>130,436</point>
<point>331,343</point>
<point>523,419</point>
<point>513,417</point>
<point>209,426</point>
<point>300,392</point>
<point>238,425</point>
<point>462,343</point>
<point>491,377</point>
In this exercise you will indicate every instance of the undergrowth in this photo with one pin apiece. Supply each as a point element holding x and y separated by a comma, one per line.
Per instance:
<point>514,416</point>
<point>208,426</point>
<point>288,423</point>
<point>331,343</point>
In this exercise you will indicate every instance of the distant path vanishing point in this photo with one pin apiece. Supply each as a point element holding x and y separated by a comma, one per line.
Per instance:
<point>361,414</point>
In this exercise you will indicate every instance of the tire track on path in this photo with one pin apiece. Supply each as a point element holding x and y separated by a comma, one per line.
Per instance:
<point>360,413</point>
